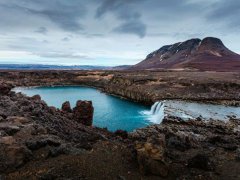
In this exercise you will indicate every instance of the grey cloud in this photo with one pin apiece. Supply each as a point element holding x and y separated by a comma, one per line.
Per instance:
<point>66,39</point>
<point>132,27</point>
<point>42,30</point>
<point>123,10</point>
<point>113,5</point>
<point>66,14</point>
<point>227,12</point>
<point>45,41</point>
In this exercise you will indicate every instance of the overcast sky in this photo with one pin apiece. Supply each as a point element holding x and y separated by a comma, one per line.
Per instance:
<point>109,32</point>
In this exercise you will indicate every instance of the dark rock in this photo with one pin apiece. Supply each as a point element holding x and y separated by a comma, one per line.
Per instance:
<point>151,157</point>
<point>83,112</point>
<point>36,97</point>
<point>178,143</point>
<point>238,154</point>
<point>119,177</point>
<point>9,129</point>
<point>52,109</point>
<point>66,107</point>
<point>201,161</point>
<point>13,156</point>
<point>5,89</point>
<point>121,133</point>
<point>35,144</point>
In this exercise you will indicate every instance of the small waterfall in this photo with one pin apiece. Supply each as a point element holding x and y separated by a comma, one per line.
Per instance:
<point>156,114</point>
<point>154,107</point>
<point>159,108</point>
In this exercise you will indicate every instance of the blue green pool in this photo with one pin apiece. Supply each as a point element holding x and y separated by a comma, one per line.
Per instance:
<point>109,111</point>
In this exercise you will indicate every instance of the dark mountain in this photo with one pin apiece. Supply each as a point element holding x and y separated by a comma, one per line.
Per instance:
<point>207,54</point>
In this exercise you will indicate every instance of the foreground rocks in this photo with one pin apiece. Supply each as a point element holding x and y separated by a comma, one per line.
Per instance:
<point>189,150</point>
<point>42,142</point>
<point>27,124</point>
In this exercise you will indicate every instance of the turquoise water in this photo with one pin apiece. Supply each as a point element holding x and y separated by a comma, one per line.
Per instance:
<point>109,111</point>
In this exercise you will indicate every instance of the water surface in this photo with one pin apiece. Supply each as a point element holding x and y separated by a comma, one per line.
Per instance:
<point>116,113</point>
<point>109,111</point>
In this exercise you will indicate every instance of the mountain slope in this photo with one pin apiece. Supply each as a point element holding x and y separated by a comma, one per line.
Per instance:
<point>207,54</point>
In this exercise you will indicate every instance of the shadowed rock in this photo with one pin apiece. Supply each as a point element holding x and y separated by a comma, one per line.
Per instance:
<point>5,89</point>
<point>66,107</point>
<point>36,97</point>
<point>201,161</point>
<point>83,112</point>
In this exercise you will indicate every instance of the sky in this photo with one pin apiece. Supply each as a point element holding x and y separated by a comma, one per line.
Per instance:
<point>108,32</point>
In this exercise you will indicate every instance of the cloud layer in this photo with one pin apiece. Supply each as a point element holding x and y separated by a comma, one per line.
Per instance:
<point>109,32</point>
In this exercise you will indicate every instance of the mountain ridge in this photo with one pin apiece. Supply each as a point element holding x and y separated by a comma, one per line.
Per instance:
<point>207,54</point>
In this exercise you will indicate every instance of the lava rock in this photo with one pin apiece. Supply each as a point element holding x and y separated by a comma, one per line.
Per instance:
<point>151,157</point>
<point>35,144</point>
<point>83,112</point>
<point>36,97</point>
<point>201,161</point>
<point>5,89</point>
<point>13,156</point>
<point>66,107</point>
<point>121,133</point>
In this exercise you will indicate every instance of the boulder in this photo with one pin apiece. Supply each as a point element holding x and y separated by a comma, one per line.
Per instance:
<point>13,156</point>
<point>5,89</point>
<point>151,156</point>
<point>36,97</point>
<point>66,107</point>
<point>83,112</point>
<point>42,141</point>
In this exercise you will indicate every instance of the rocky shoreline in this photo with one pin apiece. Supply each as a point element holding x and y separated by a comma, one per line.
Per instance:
<point>41,142</point>
<point>145,87</point>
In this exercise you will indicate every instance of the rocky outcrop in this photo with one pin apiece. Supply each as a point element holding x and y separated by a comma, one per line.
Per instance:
<point>187,149</point>
<point>28,125</point>
<point>83,112</point>
<point>5,88</point>
<point>66,107</point>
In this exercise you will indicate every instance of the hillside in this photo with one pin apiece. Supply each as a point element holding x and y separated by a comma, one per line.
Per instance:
<point>209,54</point>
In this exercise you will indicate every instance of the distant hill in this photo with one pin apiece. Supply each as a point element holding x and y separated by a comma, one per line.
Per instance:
<point>51,67</point>
<point>123,67</point>
<point>208,54</point>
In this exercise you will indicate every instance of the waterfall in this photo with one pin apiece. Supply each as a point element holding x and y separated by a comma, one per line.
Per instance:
<point>157,111</point>
<point>156,114</point>
<point>159,108</point>
<point>153,108</point>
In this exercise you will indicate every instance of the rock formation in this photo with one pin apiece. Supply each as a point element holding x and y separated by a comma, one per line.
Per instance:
<point>83,112</point>
<point>5,88</point>
<point>207,54</point>
<point>66,107</point>
<point>196,145</point>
